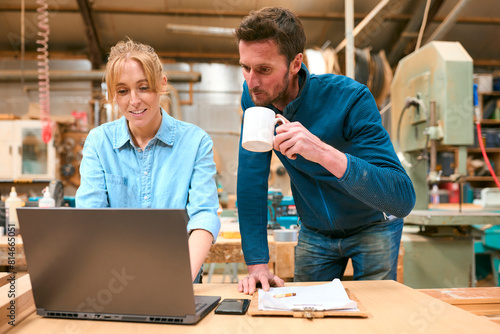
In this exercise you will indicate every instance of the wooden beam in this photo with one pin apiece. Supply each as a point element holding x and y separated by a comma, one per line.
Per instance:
<point>448,22</point>
<point>486,62</point>
<point>239,14</point>
<point>435,6</point>
<point>28,8</point>
<point>176,12</point>
<point>79,75</point>
<point>231,57</point>
<point>367,19</point>
<point>32,55</point>
<point>95,54</point>
<point>407,35</point>
<point>166,57</point>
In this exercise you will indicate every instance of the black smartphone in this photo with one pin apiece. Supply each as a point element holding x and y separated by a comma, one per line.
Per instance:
<point>233,306</point>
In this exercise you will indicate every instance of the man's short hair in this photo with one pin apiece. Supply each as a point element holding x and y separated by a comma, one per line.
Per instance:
<point>278,24</point>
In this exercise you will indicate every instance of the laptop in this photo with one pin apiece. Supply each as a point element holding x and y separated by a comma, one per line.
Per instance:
<point>111,264</point>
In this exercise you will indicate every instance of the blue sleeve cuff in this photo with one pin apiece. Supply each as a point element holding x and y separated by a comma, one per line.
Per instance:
<point>346,174</point>
<point>208,221</point>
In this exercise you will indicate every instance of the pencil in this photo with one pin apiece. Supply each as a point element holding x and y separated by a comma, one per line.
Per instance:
<point>282,295</point>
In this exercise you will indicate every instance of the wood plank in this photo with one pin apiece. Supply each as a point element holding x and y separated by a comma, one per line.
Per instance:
<point>458,296</point>
<point>283,256</point>
<point>495,319</point>
<point>484,301</point>
<point>8,117</point>
<point>3,278</point>
<point>481,309</point>
<point>19,254</point>
<point>22,301</point>
<point>225,250</point>
<point>224,253</point>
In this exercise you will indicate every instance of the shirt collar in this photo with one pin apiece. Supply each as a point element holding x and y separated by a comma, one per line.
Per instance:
<point>166,132</point>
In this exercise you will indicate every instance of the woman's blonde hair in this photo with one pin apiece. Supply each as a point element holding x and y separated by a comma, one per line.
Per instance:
<point>142,53</point>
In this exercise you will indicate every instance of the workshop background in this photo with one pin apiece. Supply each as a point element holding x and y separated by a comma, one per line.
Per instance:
<point>52,55</point>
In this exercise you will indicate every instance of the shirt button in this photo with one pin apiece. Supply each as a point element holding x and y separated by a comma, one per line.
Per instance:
<point>145,173</point>
<point>139,150</point>
<point>145,197</point>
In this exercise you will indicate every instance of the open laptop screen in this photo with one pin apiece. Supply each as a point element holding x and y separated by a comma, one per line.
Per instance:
<point>131,263</point>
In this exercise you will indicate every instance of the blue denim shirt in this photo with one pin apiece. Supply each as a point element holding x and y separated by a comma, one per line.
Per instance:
<point>175,170</point>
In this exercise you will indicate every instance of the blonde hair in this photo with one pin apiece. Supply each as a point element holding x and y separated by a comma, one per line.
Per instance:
<point>142,53</point>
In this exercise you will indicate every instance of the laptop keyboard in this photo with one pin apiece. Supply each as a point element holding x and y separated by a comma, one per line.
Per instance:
<point>199,306</point>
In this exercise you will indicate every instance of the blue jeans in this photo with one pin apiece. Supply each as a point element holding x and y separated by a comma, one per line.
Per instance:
<point>199,277</point>
<point>373,250</point>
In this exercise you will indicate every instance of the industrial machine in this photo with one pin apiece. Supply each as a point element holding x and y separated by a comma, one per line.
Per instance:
<point>487,251</point>
<point>432,105</point>
<point>433,110</point>
<point>282,212</point>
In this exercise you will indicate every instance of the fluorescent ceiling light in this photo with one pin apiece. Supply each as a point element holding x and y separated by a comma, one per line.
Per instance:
<point>200,30</point>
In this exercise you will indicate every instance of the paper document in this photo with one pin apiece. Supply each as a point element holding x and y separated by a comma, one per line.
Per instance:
<point>329,296</point>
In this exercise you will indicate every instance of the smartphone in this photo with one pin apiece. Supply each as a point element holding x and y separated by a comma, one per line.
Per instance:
<point>233,306</point>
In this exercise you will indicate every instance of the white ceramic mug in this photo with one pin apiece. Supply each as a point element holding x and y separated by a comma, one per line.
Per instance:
<point>258,129</point>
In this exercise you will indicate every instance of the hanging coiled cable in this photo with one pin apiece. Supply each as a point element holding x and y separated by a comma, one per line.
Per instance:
<point>43,69</point>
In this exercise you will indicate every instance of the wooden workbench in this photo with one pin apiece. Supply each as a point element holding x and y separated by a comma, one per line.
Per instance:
<point>281,254</point>
<point>392,307</point>
<point>484,301</point>
<point>225,250</point>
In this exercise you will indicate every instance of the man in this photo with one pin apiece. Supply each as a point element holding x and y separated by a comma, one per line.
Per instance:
<point>347,182</point>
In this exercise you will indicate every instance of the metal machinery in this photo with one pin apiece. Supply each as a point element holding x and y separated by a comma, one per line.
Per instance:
<point>281,210</point>
<point>488,252</point>
<point>432,109</point>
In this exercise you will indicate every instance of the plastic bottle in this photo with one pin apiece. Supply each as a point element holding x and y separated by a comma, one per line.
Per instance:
<point>46,201</point>
<point>435,196</point>
<point>12,202</point>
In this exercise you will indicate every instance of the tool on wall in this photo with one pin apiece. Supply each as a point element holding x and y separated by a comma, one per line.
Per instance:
<point>282,212</point>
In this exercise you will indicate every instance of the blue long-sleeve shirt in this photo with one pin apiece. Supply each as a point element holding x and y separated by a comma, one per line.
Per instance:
<point>342,113</point>
<point>175,170</point>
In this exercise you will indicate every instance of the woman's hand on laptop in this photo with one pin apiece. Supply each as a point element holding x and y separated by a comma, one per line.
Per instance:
<point>259,273</point>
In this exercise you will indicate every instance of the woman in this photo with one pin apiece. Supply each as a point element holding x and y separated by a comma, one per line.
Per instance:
<point>147,159</point>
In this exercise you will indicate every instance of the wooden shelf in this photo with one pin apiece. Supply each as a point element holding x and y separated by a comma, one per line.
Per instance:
<point>479,178</point>
<point>490,122</point>
<point>487,149</point>
<point>469,149</point>
<point>491,93</point>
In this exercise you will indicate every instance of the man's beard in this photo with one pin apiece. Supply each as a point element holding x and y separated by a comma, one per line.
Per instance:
<point>281,95</point>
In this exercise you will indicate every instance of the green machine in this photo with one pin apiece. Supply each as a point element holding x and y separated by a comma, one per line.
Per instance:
<point>432,109</point>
